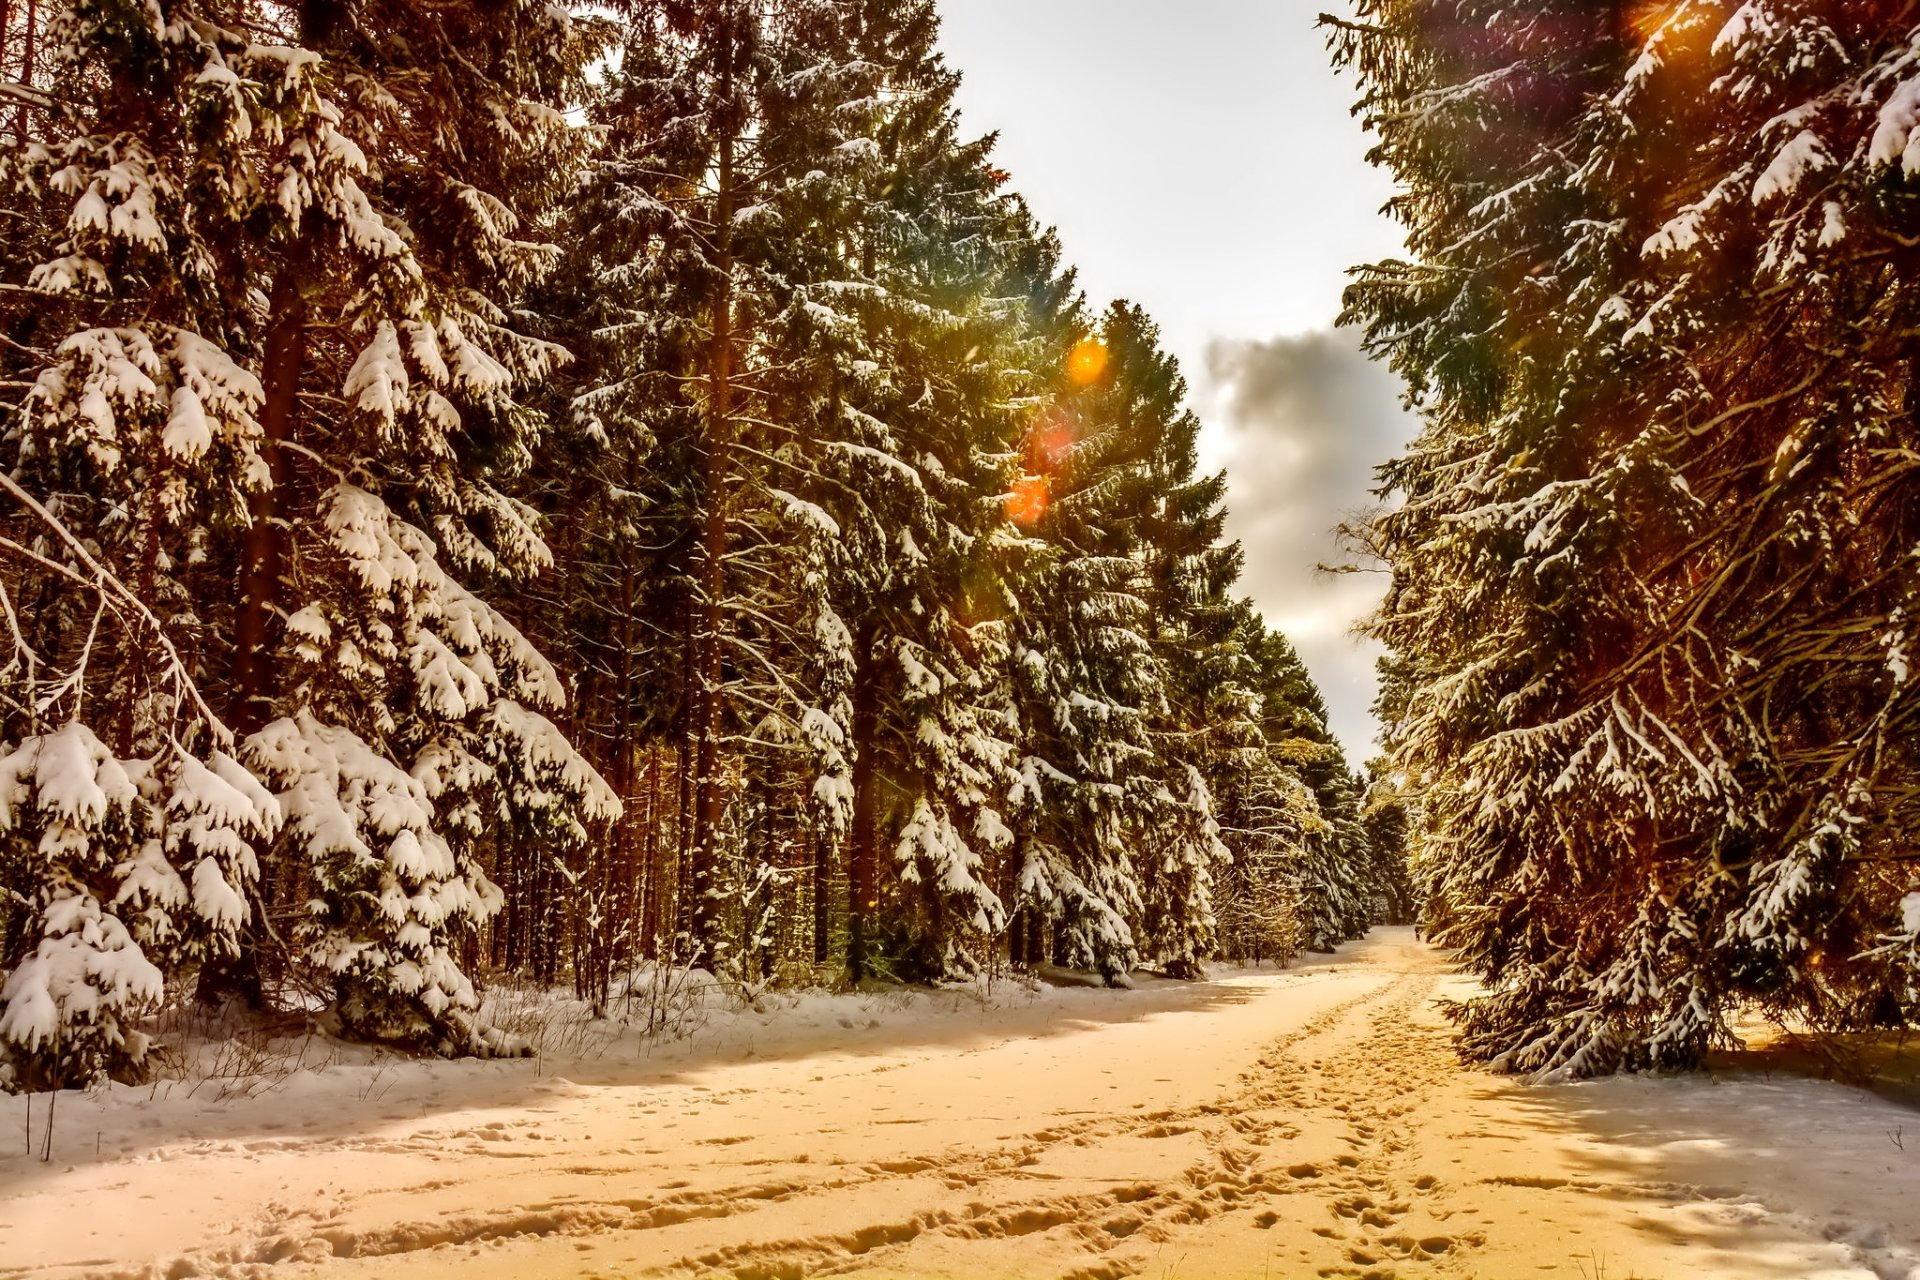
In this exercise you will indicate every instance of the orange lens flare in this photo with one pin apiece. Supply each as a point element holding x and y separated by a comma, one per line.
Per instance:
<point>1087,361</point>
<point>1648,16</point>
<point>1051,439</point>
<point>1028,501</point>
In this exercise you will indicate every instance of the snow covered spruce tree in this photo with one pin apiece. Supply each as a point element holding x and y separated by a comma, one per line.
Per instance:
<point>1654,572</point>
<point>1299,793</point>
<point>120,872</point>
<point>793,170</point>
<point>270,377</point>
<point>1384,816</point>
<point>1123,709</point>
<point>733,134</point>
<point>411,739</point>
<point>916,437</point>
<point>1166,734</point>
<point>1083,675</point>
<point>1187,569</point>
<point>131,442</point>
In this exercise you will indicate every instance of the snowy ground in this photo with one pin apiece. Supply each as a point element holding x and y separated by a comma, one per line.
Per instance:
<point>1307,1123</point>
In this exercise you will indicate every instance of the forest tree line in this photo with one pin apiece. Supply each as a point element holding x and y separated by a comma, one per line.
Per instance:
<point>1656,551</point>
<point>538,488</point>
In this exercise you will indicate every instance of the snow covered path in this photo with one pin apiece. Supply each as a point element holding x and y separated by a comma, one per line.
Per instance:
<point>1306,1123</point>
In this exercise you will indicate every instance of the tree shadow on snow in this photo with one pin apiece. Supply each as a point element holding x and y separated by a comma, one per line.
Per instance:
<point>1755,1154</point>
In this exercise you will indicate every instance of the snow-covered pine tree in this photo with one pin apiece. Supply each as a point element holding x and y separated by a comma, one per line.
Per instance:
<point>714,246</point>
<point>413,738</point>
<point>1651,586</point>
<point>1329,863</point>
<point>1187,569</point>
<point>909,452</point>
<point>1085,680</point>
<point>867,439</point>
<point>222,180</point>
<point>1266,815</point>
<point>118,872</point>
<point>1385,817</point>
<point>131,445</point>
<point>626,481</point>
<point>608,614</point>
<point>1337,886</point>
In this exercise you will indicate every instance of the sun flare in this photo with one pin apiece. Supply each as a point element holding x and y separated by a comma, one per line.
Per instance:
<point>1028,501</point>
<point>1087,361</point>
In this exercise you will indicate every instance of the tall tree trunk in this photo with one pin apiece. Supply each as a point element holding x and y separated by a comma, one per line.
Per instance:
<point>709,803</point>
<point>798,848</point>
<point>639,854</point>
<point>652,868</point>
<point>264,550</point>
<point>765,937</point>
<point>263,555</point>
<point>6,47</point>
<point>862,892</point>
<point>135,673</point>
<point>821,849</point>
<point>682,835</point>
<point>30,44</point>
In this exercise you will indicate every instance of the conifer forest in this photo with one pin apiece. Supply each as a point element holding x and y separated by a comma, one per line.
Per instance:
<point>522,490</point>
<point>615,533</point>
<point>1658,561</point>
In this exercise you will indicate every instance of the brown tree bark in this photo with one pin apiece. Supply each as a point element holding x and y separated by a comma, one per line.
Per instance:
<point>710,798</point>
<point>263,554</point>
<point>654,890</point>
<point>29,47</point>
<point>821,850</point>
<point>862,892</point>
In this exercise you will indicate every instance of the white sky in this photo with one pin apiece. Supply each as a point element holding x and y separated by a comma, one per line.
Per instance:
<point>1197,157</point>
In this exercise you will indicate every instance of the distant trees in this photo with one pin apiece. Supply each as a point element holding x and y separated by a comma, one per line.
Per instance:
<point>955,671</point>
<point>538,489</point>
<point>1653,574</point>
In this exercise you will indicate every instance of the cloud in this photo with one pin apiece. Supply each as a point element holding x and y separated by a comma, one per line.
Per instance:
<point>1302,421</point>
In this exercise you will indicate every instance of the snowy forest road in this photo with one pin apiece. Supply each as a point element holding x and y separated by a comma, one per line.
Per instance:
<point>1312,1122</point>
